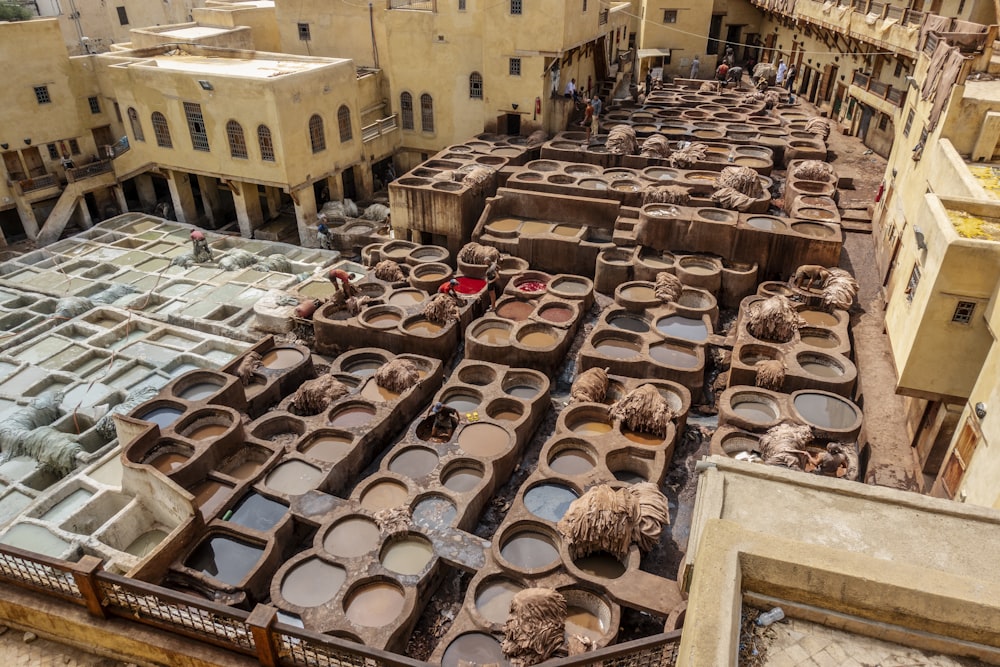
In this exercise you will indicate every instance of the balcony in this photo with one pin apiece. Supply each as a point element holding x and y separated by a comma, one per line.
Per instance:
<point>378,128</point>
<point>89,170</point>
<point>38,183</point>
<point>876,94</point>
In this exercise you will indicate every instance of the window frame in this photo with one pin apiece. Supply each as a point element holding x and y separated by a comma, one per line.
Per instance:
<point>516,8</point>
<point>317,134</point>
<point>95,104</point>
<point>122,14</point>
<point>237,140</point>
<point>265,142</point>
<point>406,119</point>
<point>136,124</point>
<point>161,130</point>
<point>426,113</point>
<point>305,32</point>
<point>964,311</point>
<point>195,117</point>
<point>344,123</point>
<point>475,86</point>
<point>670,16</point>
<point>514,66</point>
<point>42,95</point>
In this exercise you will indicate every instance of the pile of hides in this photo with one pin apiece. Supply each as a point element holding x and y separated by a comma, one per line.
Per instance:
<point>248,367</point>
<point>478,176</point>
<point>376,213</point>
<point>708,87</point>
<point>113,293</point>
<point>742,179</point>
<point>689,155</point>
<point>784,445</point>
<point>27,432</point>
<point>590,386</point>
<point>356,304</point>
<point>772,99</point>
<point>732,199</point>
<point>277,263</point>
<point>755,96</point>
<point>534,630</point>
<point>666,194</point>
<point>106,425</point>
<point>340,209</point>
<point>668,287</point>
<point>656,145</point>
<point>315,396</point>
<point>537,138</point>
<point>622,141</point>
<point>397,375</point>
<point>237,259</point>
<point>839,289</point>
<point>773,319</point>
<point>764,70</point>
<point>184,260</point>
<point>71,306</point>
<point>610,520</point>
<point>393,520</point>
<point>819,126</point>
<point>644,410</point>
<point>813,170</point>
<point>441,309</point>
<point>389,271</point>
<point>654,513</point>
<point>475,253</point>
<point>770,374</point>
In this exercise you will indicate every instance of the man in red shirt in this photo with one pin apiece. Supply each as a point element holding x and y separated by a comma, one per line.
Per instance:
<point>344,279</point>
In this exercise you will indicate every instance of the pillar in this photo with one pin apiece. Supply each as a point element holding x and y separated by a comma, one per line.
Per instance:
<point>28,219</point>
<point>364,180</point>
<point>305,215</point>
<point>336,185</point>
<point>273,197</point>
<point>120,197</point>
<point>209,187</point>
<point>249,214</point>
<point>84,218</point>
<point>182,197</point>
<point>147,192</point>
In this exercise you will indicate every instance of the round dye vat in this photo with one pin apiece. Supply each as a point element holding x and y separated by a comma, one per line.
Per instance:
<point>167,462</point>
<point>414,462</point>
<point>258,512</point>
<point>818,338</point>
<point>580,621</point>
<point>674,355</point>
<point>629,323</point>
<point>756,411</point>
<point>638,293</point>
<point>462,479</point>
<point>434,512</point>
<point>207,432</point>
<point>531,286</point>
<point>645,439</point>
<point>423,327</point>
<point>503,224</point>
<point>281,358</point>
<point>162,417</point>
<point>825,411</point>
<point>201,390</point>
<point>373,392</point>
<point>312,583</point>
<point>405,297</point>
<point>820,367</point>
<point>384,495</point>
<point>701,267</point>
<point>572,462</point>
<point>522,391</point>
<point>568,286</point>
<point>493,335</point>
<point>482,439</point>
<point>529,551</point>
<point>516,310</point>
<point>549,501</point>
<point>375,605</point>
<point>765,223</point>
<point>493,599</point>
<point>629,477</point>
<point>353,416</point>
<point>686,328</point>
<point>352,538</point>
<point>507,415</point>
<point>538,339</point>
<point>536,226</point>
<point>602,565</point>
<point>473,648</point>
<point>383,320</point>
<point>407,556</point>
<point>556,314</point>
<point>813,229</point>
<point>591,427</point>
<point>470,285</point>
<point>330,448</point>
<point>567,230</point>
<point>437,276</point>
<point>293,478</point>
<point>363,367</point>
<point>617,348</point>
<point>224,559</point>
<point>818,318</point>
<point>462,402</point>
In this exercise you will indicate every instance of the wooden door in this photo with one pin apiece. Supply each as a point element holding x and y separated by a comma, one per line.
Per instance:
<point>15,170</point>
<point>33,161</point>
<point>102,138</point>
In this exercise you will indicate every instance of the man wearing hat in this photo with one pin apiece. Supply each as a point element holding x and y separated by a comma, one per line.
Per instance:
<point>324,238</point>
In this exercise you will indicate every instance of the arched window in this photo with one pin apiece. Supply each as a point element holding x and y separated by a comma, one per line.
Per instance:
<point>266,146</point>
<point>344,123</point>
<point>133,119</point>
<point>237,142</point>
<point>161,130</point>
<point>406,111</point>
<point>316,137</point>
<point>476,86</point>
<point>426,113</point>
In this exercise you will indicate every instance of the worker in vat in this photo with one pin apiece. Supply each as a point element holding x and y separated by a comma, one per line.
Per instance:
<point>201,252</point>
<point>451,289</point>
<point>446,420</point>
<point>341,281</point>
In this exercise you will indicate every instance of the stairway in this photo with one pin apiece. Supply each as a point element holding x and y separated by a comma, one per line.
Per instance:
<point>63,210</point>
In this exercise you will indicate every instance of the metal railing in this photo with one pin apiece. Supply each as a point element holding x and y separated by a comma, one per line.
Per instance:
<point>378,128</point>
<point>37,183</point>
<point>420,5</point>
<point>257,633</point>
<point>878,88</point>
<point>88,170</point>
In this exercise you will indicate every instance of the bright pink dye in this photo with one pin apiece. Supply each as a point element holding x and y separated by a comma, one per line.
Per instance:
<point>531,286</point>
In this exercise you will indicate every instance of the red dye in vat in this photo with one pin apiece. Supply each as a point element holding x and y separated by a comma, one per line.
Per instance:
<point>465,286</point>
<point>531,286</point>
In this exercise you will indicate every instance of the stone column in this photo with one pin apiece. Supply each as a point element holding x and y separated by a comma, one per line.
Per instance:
<point>209,187</point>
<point>364,180</point>
<point>273,196</point>
<point>147,193</point>
<point>182,196</point>
<point>305,215</point>
<point>83,216</point>
<point>249,214</point>
<point>336,185</point>
<point>120,197</point>
<point>28,219</point>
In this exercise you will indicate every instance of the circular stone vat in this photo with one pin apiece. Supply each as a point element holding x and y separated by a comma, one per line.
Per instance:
<point>484,440</point>
<point>660,210</point>
<point>644,439</point>
<point>434,512</point>
<point>686,328</point>
<point>462,475</point>
<point>820,338</point>
<point>352,416</point>
<point>312,582</point>
<point>200,388</point>
<point>542,165</point>
<point>293,477</point>
<point>754,408</point>
<point>382,317</point>
<point>474,648</point>
<point>820,365</point>
<point>447,186</point>
<point>617,346</point>
<point>626,185</point>
<point>414,462</point>
<point>501,225</point>
<point>677,356</point>
<point>168,457</point>
<point>637,292</point>
<point>514,309</point>
<point>521,385</point>
<point>588,421</point>
<point>549,501</point>
<point>582,169</point>
<point>421,326</point>
<point>162,415</point>
<point>352,537</point>
<point>410,180</point>
<point>373,392</point>
<point>407,556</point>
<point>537,336</point>
<point>628,322</point>
<point>813,229</point>
<point>529,550</point>
<point>656,260</point>
<point>740,446</point>
<point>572,459</point>
<point>528,176</point>
<point>587,615</point>
<point>819,318</point>
<point>375,604</point>
<point>363,365</point>
<point>699,266</point>
<point>434,273</point>
<point>753,354</point>
<point>281,358</point>
<point>765,222</point>
<point>463,400</point>
<point>328,446</point>
<point>477,374</point>
<point>493,598</point>
<point>825,410</point>
<point>570,287</point>
<point>492,333</point>
<point>696,299</point>
<point>561,179</point>
<point>505,410</point>
<point>593,184</point>
<point>383,495</point>
<point>556,313</point>
<point>601,565</point>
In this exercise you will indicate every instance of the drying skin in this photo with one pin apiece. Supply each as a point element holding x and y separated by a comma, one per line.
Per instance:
<point>234,260</point>
<point>773,320</point>
<point>376,213</point>
<point>356,304</point>
<point>813,170</point>
<point>26,432</point>
<point>477,176</point>
<point>393,520</point>
<point>71,306</point>
<point>839,290</point>
<point>668,287</point>
<point>534,630</point>
<point>654,513</point>
<point>656,145</point>
<point>839,454</point>
<point>732,199</point>
<point>106,425</point>
<point>770,374</point>
<point>275,262</point>
<point>622,141</point>
<point>248,367</point>
<point>666,194</point>
<point>537,138</point>
<point>784,445</point>
<point>709,87</point>
<point>590,386</point>
<point>340,210</point>
<point>689,155</point>
<point>315,396</point>
<point>397,375</point>
<point>441,309</point>
<point>772,98</point>
<point>819,126</point>
<point>389,271</point>
<point>644,410</point>
<point>742,179</point>
<point>474,253</point>
<point>600,520</point>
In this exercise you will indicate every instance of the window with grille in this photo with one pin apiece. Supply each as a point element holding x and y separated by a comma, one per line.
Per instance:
<point>266,146</point>
<point>133,120</point>
<point>316,137</point>
<point>53,151</point>
<point>909,123</point>
<point>344,123</point>
<point>406,111</point>
<point>42,95</point>
<point>911,286</point>
<point>196,126</point>
<point>426,113</point>
<point>515,67</point>
<point>461,5</point>
<point>304,32</point>
<point>476,86</point>
<point>74,146</point>
<point>161,130</point>
<point>95,104</point>
<point>963,312</point>
<point>670,16</point>
<point>883,121</point>
<point>584,6</point>
<point>237,142</point>
<point>515,6</point>
<point>122,15</point>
